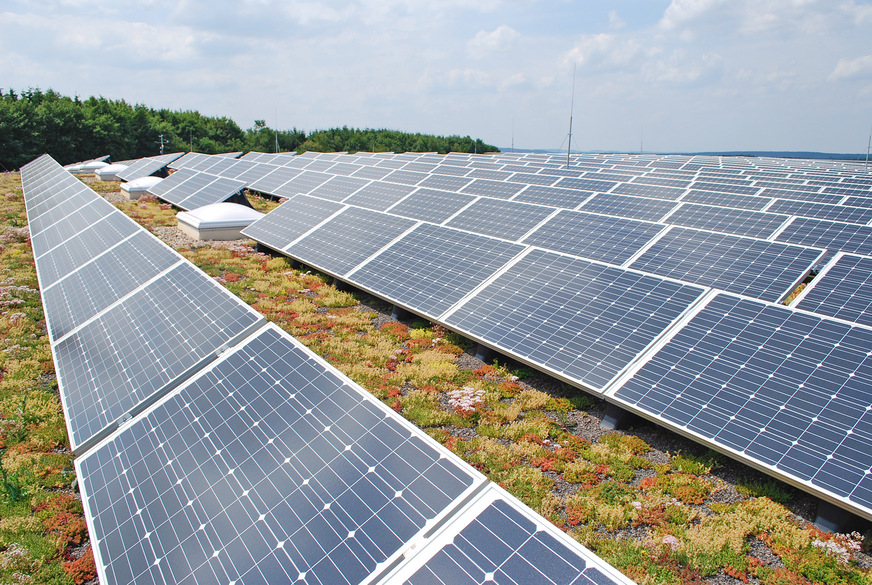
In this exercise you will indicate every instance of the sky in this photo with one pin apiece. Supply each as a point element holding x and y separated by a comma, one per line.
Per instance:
<point>652,75</point>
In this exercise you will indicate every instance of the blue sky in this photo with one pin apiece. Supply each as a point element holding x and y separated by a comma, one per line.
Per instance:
<point>679,75</point>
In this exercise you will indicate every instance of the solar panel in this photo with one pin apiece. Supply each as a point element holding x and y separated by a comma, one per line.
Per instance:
<point>146,341</point>
<point>142,168</point>
<point>742,187</point>
<point>431,205</point>
<point>184,189</point>
<point>433,267</point>
<point>497,540</point>
<point>290,220</point>
<point>586,184</point>
<point>491,174</point>
<point>756,268</point>
<point>374,173</point>
<point>798,195</point>
<point>831,235</point>
<point>102,281</point>
<point>84,246</point>
<point>446,182</point>
<point>305,182</point>
<point>779,388</point>
<point>843,290</point>
<point>859,215</point>
<point>739,222</point>
<point>496,189</point>
<point>379,195</point>
<point>626,206</point>
<point>171,182</point>
<point>553,196</point>
<point>221,189</point>
<point>405,177</point>
<point>592,236</point>
<point>59,232</point>
<point>531,179</point>
<point>726,200</point>
<point>338,188</point>
<point>581,320</point>
<point>348,239</point>
<point>269,467</point>
<point>501,219</point>
<point>272,181</point>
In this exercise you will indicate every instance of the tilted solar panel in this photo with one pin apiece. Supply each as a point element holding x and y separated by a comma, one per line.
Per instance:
<point>843,290</point>
<point>268,467</point>
<point>581,320</point>
<point>290,220</point>
<point>784,390</point>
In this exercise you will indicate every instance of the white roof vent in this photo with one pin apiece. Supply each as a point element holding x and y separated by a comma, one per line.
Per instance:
<point>109,172</point>
<point>137,187</point>
<point>218,221</point>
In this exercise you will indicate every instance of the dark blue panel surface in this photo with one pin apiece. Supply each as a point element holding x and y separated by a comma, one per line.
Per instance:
<point>268,468</point>
<point>783,388</point>
<point>845,291</point>
<point>582,319</point>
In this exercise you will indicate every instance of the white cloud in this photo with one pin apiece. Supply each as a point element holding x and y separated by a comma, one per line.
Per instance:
<point>851,68</point>
<point>615,21</point>
<point>607,50</point>
<point>681,69</point>
<point>497,40</point>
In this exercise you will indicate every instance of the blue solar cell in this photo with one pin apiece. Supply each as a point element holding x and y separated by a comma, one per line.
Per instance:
<point>290,220</point>
<point>740,222</point>
<point>859,215</point>
<point>831,235</point>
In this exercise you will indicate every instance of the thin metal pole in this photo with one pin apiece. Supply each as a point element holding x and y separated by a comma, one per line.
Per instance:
<point>571,111</point>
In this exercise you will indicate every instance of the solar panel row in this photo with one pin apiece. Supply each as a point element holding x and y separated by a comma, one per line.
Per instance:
<point>248,459</point>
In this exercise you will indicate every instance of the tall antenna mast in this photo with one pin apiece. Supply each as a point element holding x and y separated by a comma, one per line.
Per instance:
<point>277,130</point>
<point>642,139</point>
<point>571,109</point>
<point>868,146</point>
<point>161,142</point>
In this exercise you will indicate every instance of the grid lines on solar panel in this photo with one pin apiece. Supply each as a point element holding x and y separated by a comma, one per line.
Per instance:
<point>144,168</point>
<point>431,205</point>
<point>101,282</point>
<point>627,206</point>
<point>181,191</point>
<point>268,468</point>
<point>755,268</point>
<point>138,346</point>
<point>373,173</point>
<point>847,191</point>
<point>860,215</point>
<point>303,183</point>
<point>801,196</point>
<point>501,219</point>
<point>844,291</point>
<point>379,195</point>
<point>780,387</point>
<point>858,201</point>
<point>583,320</point>
<point>585,184</point>
<point>82,247</point>
<point>831,235</point>
<point>172,181</point>
<point>338,188</point>
<point>739,222</point>
<point>290,220</point>
<point>532,179</point>
<point>278,177</point>
<point>67,227</point>
<point>61,208</point>
<point>445,182</point>
<point>738,187</point>
<point>726,200</point>
<point>217,191</point>
<point>433,267</point>
<point>592,236</point>
<point>495,189</point>
<point>255,173</point>
<point>502,545</point>
<point>661,182</point>
<point>348,239</point>
<point>553,196</point>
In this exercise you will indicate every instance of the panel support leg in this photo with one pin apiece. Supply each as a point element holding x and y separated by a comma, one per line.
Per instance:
<point>831,518</point>
<point>484,353</point>
<point>614,418</point>
<point>400,314</point>
<point>261,249</point>
<point>341,285</point>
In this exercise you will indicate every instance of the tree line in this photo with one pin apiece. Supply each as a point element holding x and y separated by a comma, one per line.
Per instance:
<point>34,122</point>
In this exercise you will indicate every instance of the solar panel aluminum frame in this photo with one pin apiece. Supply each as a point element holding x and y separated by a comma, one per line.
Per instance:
<point>701,439</point>
<point>823,272</point>
<point>478,481</point>
<point>433,542</point>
